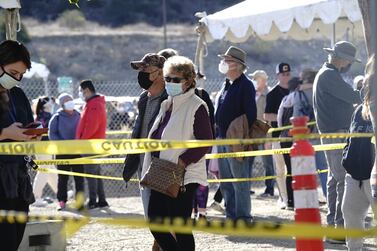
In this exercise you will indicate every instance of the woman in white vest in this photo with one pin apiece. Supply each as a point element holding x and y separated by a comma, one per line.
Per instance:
<point>183,116</point>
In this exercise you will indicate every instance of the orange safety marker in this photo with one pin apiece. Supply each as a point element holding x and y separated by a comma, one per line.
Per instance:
<point>304,183</point>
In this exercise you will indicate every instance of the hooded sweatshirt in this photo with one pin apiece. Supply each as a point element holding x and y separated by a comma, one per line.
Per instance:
<point>63,125</point>
<point>92,124</point>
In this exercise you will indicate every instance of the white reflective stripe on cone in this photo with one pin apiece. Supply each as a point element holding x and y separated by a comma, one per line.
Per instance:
<point>303,165</point>
<point>305,199</point>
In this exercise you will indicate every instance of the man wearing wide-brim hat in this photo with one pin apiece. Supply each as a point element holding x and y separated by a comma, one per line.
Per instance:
<point>235,112</point>
<point>333,101</point>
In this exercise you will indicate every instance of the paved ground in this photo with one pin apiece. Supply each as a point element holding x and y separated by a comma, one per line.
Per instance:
<point>96,236</point>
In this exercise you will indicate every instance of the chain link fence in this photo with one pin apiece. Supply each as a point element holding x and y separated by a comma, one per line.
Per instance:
<point>121,104</point>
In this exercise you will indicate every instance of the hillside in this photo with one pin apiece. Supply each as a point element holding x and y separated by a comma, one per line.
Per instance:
<point>104,53</point>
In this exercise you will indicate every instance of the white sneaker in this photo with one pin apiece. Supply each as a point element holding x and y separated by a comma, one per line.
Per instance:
<point>217,207</point>
<point>70,194</point>
<point>282,204</point>
<point>40,203</point>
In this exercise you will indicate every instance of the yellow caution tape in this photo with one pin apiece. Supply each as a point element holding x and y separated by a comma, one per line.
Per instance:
<point>231,228</point>
<point>83,161</point>
<point>87,175</point>
<point>55,171</point>
<point>208,156</point>
<point>118,132</point>
<point>278,129</point>
<point>118,146</point>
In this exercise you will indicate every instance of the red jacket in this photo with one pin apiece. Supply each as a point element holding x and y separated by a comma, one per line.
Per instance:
<point>93,123</point>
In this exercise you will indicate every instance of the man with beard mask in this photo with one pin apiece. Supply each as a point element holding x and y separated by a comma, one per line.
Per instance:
<point>151,79</point>
<point>333,101</point>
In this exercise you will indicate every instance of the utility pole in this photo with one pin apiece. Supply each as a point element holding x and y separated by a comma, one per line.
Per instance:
<point>164,22</point>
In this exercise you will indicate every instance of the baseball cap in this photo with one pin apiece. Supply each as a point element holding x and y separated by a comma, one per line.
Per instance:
<point>283,67</point>
<point>149,59</point>
<point>258,74</point>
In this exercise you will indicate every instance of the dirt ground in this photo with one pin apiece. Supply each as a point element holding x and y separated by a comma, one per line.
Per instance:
<point>94,236</point>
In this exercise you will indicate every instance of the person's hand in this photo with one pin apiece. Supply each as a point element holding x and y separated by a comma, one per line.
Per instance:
<point>37,138</point>
<point>181,163</point>
<point>15,132</point>
<point>267,145</point>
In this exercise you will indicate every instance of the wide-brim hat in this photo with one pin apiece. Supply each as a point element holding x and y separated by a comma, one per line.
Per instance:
<point>235,54</point>
<point>344,50</point>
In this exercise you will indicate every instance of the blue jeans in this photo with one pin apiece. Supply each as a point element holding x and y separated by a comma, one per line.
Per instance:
<point>236,194</point>
<point>321,164</point>
<point>270,171</point>
<point>145,194</point>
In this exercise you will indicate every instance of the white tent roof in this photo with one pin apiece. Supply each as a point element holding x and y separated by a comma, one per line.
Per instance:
<point>271,19</point>
<point>38,70</point>
<point>10,4</point>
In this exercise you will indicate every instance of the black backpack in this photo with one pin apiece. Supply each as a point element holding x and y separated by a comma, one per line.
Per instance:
<point>285,119</point>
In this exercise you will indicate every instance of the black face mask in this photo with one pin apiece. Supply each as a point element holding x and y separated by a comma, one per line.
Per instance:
<point>143,80</point>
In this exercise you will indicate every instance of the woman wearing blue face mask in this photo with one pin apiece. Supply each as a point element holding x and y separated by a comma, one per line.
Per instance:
<point>183,116</point>
<point>15,111</point>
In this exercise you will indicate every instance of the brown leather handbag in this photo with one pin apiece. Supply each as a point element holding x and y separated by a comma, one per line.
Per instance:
<point>164,176</point>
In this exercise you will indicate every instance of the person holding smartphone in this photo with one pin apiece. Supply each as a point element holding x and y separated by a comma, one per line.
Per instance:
<point>15,187</point>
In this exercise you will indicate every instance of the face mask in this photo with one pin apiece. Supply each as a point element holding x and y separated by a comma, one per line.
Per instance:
<point>7,81</point>
<point>173,89</point>
<point>69,105</point>
<point>143,80</point>
<point>223,67</point>
<point>345,69</point>
<point>47,107</point>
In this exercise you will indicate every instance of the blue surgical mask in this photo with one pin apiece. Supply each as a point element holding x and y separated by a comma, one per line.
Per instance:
<point>7,81</point>
<point>173,89</point>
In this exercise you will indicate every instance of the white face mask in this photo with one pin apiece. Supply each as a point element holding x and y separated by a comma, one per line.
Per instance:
<point>7,81</point>
<point>48,107</point>
<point>69,105</point>
<point>223,67</point>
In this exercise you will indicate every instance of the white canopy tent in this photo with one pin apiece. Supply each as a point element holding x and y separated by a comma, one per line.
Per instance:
<point>38,70</point>
<point>271,19</point>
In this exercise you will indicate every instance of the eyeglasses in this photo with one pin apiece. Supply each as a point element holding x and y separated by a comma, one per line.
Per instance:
<point>173,80</point>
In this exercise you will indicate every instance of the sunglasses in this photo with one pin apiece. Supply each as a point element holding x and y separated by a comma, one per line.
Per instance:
<point>173,80</point>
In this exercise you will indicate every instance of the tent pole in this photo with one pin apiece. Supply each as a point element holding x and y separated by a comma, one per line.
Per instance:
<point>333,36</point>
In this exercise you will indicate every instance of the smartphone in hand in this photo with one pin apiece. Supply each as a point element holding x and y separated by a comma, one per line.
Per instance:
<point>32,129</point>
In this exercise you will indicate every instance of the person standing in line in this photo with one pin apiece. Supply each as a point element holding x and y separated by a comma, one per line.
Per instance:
<point>273,100</point>
<point>303,106</point>
<point>183,116</point>
<point>358,160</point>
<point>92,125</point>
<point>16,192</point>
<point>63,125</point>
<point>334,101</point>
<point>236,107</point>
<point>260,79</point>
<point>151,80</point>
<point>43,112</point>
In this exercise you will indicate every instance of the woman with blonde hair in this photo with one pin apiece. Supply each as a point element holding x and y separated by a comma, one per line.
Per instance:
<point>183,116</point>
<point>358,160</point>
